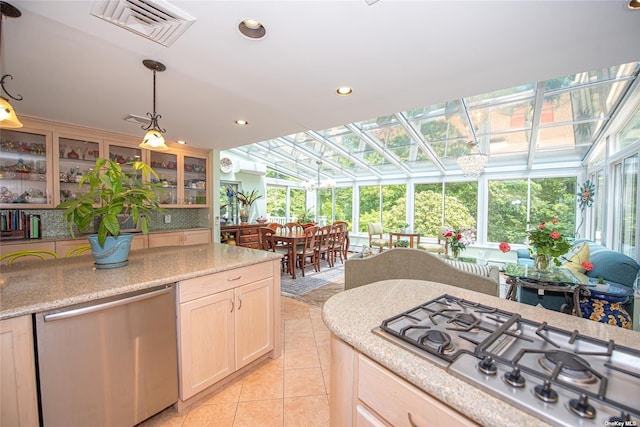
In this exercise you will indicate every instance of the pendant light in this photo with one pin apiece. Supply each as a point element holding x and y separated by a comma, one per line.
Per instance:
<point>8,118</point>
<point>153,139</point>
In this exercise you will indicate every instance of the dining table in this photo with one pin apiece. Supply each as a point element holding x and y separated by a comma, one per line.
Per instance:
<point>293,238</point>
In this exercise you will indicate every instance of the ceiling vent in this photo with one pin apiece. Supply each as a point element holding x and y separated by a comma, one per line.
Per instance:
<point>132,118</point>
<point>155,20</point>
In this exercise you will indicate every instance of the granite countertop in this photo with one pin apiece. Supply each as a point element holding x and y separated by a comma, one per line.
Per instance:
<point>33,287</point>
<point>351,315</point>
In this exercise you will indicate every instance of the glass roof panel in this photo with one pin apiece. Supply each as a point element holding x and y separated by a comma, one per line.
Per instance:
<point>574,110</point>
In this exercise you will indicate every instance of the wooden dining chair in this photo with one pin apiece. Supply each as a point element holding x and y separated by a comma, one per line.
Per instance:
<point>294,227</point>
<point>307,250</point>
<point>338,242</point>
<point>323,243</point>
<point>268,243</point>
<point>275,226</point>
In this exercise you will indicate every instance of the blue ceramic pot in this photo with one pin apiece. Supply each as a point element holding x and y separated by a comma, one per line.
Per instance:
<point>114,253</point>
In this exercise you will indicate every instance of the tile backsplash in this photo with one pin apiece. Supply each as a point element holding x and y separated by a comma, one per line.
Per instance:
<point>54,225</point>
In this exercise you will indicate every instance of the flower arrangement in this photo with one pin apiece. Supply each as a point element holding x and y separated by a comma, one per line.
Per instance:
<point>504,247</point>
<point>459,238</point>
<point>246,200</point>
<point>548,238</point>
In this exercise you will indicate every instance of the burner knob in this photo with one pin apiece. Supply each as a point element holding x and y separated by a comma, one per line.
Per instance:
<point>487,366</point>
<point>619,420</point>
<point>514,378</point>
<point>582,407</point>
<point>545,393</point>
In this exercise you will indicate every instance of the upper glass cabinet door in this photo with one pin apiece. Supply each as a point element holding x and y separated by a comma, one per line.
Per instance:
<point>195,181</point>
<point>24,165</point>
<point>166,166</point>
<point>76,157</point>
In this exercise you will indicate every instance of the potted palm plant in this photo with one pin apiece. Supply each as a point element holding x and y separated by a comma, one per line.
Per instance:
<point>115,196</point>
<point>246,200</point>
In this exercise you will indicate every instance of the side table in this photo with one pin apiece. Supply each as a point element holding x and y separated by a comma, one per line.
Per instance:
<point>414,238</point>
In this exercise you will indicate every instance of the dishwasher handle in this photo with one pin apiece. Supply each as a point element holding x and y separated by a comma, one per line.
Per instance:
<point>98,307</point>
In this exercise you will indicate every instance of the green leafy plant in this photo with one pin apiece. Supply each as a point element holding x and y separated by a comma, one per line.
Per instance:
<point>401,244</point>
<point>305,217</point>
<point>549,238</point>
<point>113,192</point>
<point>247,199</point>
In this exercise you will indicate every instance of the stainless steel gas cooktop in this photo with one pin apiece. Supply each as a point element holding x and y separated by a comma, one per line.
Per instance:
<point>559,376</point>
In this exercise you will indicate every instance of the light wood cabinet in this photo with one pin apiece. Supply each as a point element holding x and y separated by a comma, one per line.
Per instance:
<point>226,321</point>
<point>184,175</point>
<point>26,246</point>
<point>370,395</point>
<point>18,395</point>
<point>26,164</point>
<point>179,238</point>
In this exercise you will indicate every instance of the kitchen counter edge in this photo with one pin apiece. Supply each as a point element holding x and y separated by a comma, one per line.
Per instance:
<point>27,288</point>
<point>351,315</point>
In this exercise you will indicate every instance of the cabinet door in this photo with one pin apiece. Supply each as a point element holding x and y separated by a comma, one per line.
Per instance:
<point>166,166</point>
<point>25,169</point>
<point>195,181</point>
<point>19,247</point>
<point>18,396</point>
<point>166,239</point>
<point>206,332</point>
<point>254,321</point>
<point>76,157</point>
<point>197,237</point>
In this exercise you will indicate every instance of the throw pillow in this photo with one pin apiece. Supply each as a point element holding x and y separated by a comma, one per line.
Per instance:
<point>576,256</point>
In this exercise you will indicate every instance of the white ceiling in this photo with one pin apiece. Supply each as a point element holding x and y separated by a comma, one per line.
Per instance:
<point>73,67</point>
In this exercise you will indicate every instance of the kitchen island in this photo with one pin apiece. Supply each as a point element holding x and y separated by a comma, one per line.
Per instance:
<point>227,314</point>
<point>357,353</point>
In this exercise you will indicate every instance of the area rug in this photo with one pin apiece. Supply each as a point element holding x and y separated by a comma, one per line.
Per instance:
<point>317,297</point>
<point>311,280</point>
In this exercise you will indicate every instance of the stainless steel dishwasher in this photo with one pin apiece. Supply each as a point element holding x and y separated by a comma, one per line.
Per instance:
<point>109,363</point>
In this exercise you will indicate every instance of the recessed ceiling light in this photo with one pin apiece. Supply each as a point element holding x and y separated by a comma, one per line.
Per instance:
<point>181,142</point>
<point>252,29</point>
<point>242,122</point>
<point>344,91</point>
<point>634,4</point>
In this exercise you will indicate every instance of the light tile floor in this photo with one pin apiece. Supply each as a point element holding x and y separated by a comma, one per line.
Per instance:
<point>289,391</point>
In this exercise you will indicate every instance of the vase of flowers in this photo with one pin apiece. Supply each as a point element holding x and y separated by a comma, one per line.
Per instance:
<point>458,239</point>
<point>548,242</point>
<point>246,200</point>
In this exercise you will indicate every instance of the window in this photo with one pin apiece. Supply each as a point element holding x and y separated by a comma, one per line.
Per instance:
<point>297,203</point>
<point>624,212</point>
<point>515,203</point>
<point>458,209</point>
<point>276,202</point>
<point>598,219</point>
<point>344,203</point>
<point>369,206</point>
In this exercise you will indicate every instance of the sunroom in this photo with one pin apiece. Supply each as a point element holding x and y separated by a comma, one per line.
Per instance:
<point>497,162</point>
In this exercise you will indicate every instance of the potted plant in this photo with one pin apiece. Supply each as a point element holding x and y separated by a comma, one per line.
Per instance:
<point>246,200</point>
<point>114,197</point>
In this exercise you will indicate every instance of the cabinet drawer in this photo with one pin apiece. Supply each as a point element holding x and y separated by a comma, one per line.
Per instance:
<point>199,287</point>
<point>400,403</point>
<point>249,231</point>
<point>249,239</point>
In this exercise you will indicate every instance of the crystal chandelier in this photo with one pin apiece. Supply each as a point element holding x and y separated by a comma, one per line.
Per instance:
<point>472,164</point>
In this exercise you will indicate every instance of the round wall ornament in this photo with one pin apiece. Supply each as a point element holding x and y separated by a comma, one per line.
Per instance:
<point>586,193</point>
<point>226,165</point>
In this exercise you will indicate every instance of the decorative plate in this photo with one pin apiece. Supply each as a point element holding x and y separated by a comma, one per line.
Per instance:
<point>226,165</point>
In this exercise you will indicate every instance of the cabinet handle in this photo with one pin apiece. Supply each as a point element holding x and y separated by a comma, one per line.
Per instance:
<point>233,303</point>
<point>234,278</point>
<point>240,300</point>
<point>411,420</point>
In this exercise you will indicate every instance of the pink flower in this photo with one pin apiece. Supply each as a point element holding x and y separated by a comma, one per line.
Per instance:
<point>587,265</point>
<point>449,234</point>
<point>504,247</point>
<point>542,225</point>
<point>458,237</point>
<point>554,235</point>
<point>554,221</point>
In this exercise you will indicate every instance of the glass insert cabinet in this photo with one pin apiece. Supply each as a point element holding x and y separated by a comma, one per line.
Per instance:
<point>42,164</point>
<point>183,178</point>
<point>25,162</point>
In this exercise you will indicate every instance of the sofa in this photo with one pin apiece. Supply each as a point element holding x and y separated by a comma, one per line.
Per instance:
<point>404,263</point>
<point>610,266</point>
